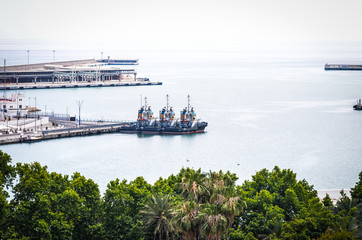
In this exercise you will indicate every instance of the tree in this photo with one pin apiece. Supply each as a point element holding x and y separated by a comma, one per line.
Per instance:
<point>158,213</point>
<point>193,186</point>
<point>231,205</point>
<point>121,205</point>
<point>7,171</point>
<point>49,205</point>
<point>190,205</point>
<point>356,191</point>
<point>327,201</point>
<point>214,223</point>
<point>187,219</point>
<point>89,224</point>
<point>7,175</point>
<point>280,205</point>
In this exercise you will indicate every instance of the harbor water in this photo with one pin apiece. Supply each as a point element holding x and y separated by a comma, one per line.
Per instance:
<point>264,107</point>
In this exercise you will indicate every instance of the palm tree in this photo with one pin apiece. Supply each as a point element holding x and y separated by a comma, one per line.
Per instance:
<point>211,203</point>
<point>214,222</point>
<point>231,205</point>
<point>193,185</point>
<point>158,213</point>
<point>187,219</point>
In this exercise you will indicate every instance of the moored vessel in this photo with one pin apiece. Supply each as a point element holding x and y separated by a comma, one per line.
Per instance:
<point>166,123</point>
<point>358,106</point>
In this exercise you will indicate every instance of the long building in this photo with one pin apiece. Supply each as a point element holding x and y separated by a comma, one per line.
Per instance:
<point>87,70</point>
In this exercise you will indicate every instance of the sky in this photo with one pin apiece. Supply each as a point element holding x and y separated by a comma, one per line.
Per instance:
<point>181,24</point>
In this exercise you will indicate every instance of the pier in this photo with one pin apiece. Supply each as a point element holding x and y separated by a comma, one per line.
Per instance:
<point>109,83</point>
<point>70,74</point>
<point>345,67</point>
<point>83,130</point>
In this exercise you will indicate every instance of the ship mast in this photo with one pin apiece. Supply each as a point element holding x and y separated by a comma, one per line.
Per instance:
<point>145,103</point>
<point>188,103</point>
<point>167,98</point>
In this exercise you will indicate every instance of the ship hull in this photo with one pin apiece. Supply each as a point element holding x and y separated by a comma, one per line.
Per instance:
<point>357,107</point>
<point>164,131</point>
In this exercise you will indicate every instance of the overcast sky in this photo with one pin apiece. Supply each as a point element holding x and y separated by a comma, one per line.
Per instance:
<point>185,23</point>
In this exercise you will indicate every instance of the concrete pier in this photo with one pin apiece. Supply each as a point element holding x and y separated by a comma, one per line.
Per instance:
<point>60,133</point>
<point>109,83</point>
<point>345,67</point>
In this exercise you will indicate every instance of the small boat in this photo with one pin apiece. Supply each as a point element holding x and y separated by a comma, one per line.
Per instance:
<point>33,138</point>
<point>358,106</point>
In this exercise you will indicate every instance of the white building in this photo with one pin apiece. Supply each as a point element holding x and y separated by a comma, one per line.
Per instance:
<point>14,106</point>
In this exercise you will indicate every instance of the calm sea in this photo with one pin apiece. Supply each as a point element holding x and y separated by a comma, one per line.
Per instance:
<point>265,106</point>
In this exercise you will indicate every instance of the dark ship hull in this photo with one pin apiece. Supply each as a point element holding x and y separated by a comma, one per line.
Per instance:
<point>357,107</point>
<point>198,127</point>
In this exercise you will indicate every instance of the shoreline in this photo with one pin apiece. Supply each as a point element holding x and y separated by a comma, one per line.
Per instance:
<point>334,194</point>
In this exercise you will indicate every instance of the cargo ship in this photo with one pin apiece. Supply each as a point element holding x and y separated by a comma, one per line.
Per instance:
<point>166,123</point>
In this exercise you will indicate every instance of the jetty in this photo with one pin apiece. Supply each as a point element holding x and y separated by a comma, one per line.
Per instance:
<point>346,67</point>
<point>72,74</point>
<point>83,130</point>
<point>24,123</point>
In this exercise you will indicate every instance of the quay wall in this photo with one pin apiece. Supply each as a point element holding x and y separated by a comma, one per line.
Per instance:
<point>79,84</point>
<point>61,133</point>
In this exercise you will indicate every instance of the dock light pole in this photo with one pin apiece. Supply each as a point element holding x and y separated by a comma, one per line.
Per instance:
<point>35,113</point>
<point>102,56</point>
<point>28,56</point>
<point>53,55</point>
<point>4,78</point>
<point>79,108</point>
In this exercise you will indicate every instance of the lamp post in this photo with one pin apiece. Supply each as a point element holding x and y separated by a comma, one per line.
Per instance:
<point>79,108</point>
<point>35,113</point>
<point>101,55</point>
<point>28,56</point>
<point>53,55</point>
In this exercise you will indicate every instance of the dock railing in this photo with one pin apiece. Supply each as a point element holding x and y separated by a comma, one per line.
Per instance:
<point>52,116</point>
<point>104,121</point>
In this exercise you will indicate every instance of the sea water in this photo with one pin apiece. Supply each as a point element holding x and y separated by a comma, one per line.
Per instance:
<point>265,107</point>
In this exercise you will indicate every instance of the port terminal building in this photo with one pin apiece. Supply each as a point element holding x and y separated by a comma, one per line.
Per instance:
<point>87,70</point>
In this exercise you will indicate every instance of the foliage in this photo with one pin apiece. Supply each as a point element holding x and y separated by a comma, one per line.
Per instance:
<point>280,206</point>
<point>48,205</point>
<point>189,205</point>
<point>158,214</point>
<point>122,204</point>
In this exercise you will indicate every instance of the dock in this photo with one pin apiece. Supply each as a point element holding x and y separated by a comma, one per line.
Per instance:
<point>72,74</point>
<point>86,130</point>
<point>47,85</point>
<point>345,67</point>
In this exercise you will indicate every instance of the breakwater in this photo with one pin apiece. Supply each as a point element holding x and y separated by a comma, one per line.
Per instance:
<point>343,67</point>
